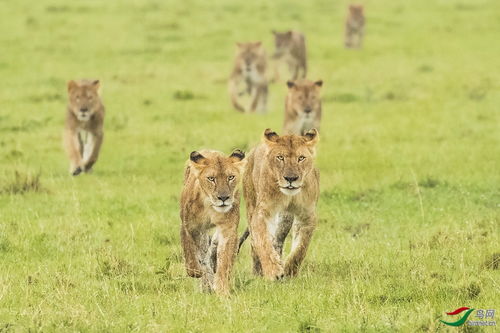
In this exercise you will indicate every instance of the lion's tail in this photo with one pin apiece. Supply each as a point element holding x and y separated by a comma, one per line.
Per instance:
<point>243,238</point>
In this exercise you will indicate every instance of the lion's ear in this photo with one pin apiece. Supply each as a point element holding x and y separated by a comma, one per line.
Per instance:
<point>197,158</point>
<point>96,84</point>
<point>237,155</point>
<point>319,83</point>
<point>258,44</point>
<point>270,136</point>
<point>72,85</point>
<point>312,137</point>
<point>238,159</point>
<point>290,84</point>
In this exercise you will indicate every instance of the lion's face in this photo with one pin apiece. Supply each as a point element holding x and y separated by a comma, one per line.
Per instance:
<point>218,177</point>
<point>290,159</point>
<point>356,11</point>
<point>304,97</point>
<point>282,43</point>
<point>83,98</point>
<point>249,54</point>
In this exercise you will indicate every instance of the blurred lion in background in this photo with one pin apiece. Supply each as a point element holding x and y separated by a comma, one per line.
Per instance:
<point>291,48</point>
<point>302,106</point>
<point>84,125</point>
<point>354,26</point>
<point>249,73</point>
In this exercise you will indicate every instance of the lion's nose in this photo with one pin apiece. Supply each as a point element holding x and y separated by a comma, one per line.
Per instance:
<point>223,198</point>
<point>84,110</point>
<point>307,110</point>
<point>291,179</point>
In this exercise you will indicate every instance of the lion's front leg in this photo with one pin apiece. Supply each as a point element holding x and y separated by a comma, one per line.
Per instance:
<point>195,245</point>
<point>348,37</point>
<point>73,147</point>
<point>209,263</point>
<point>262,245</point>
<point>284,226</point>
<point>234,94</point>
<point>226,253</point>
<point>255,97</point>
<point>302,234</point>
<point>262,103</point>
<point>91,150</point>
<point>191,255</point>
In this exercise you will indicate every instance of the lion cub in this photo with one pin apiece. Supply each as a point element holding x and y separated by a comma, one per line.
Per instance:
<point>210,198</point>
<point>302,106</point>
<point>250,72</point>
<point>281,189</point>
<point>291,47</point>
<point>354,26</point>
<point>84,125</point>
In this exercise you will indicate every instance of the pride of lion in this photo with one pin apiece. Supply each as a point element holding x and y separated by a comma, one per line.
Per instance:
<point>280,182</point>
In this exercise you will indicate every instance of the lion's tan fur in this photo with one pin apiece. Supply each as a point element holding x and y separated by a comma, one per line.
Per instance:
<point>302,106</point>
<point>84,131</point>
<point>291,49</point>
<point>274,204</point>
<point>355,26</point>
<point>207,177</point>
<point>249,77</point>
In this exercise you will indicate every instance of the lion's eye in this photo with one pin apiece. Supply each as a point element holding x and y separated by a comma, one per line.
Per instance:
<point>212,179</point>
<point>301,158</point>
<point>230,177</point>
<point>280,158</point>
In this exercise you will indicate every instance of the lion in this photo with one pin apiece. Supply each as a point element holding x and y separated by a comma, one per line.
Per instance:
<point>291,47</point>
<point>84,131</point>
<point>250,71</point>
<point>281,190</point>
<point>302,106</point>
<point>210,199</point>
<point>354,26</point>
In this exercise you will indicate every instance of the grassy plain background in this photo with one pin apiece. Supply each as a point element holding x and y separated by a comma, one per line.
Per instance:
<point>409,159</point>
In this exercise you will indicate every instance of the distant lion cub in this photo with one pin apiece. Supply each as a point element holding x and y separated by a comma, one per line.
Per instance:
<point>84,125</point>
<point>210,198</point>
<point>250,72</point>
<point>354,26</point>
<point>291,47</point>
<point>302,106</point>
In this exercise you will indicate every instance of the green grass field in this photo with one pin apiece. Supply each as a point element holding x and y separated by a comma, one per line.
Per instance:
<point>409,156</point>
